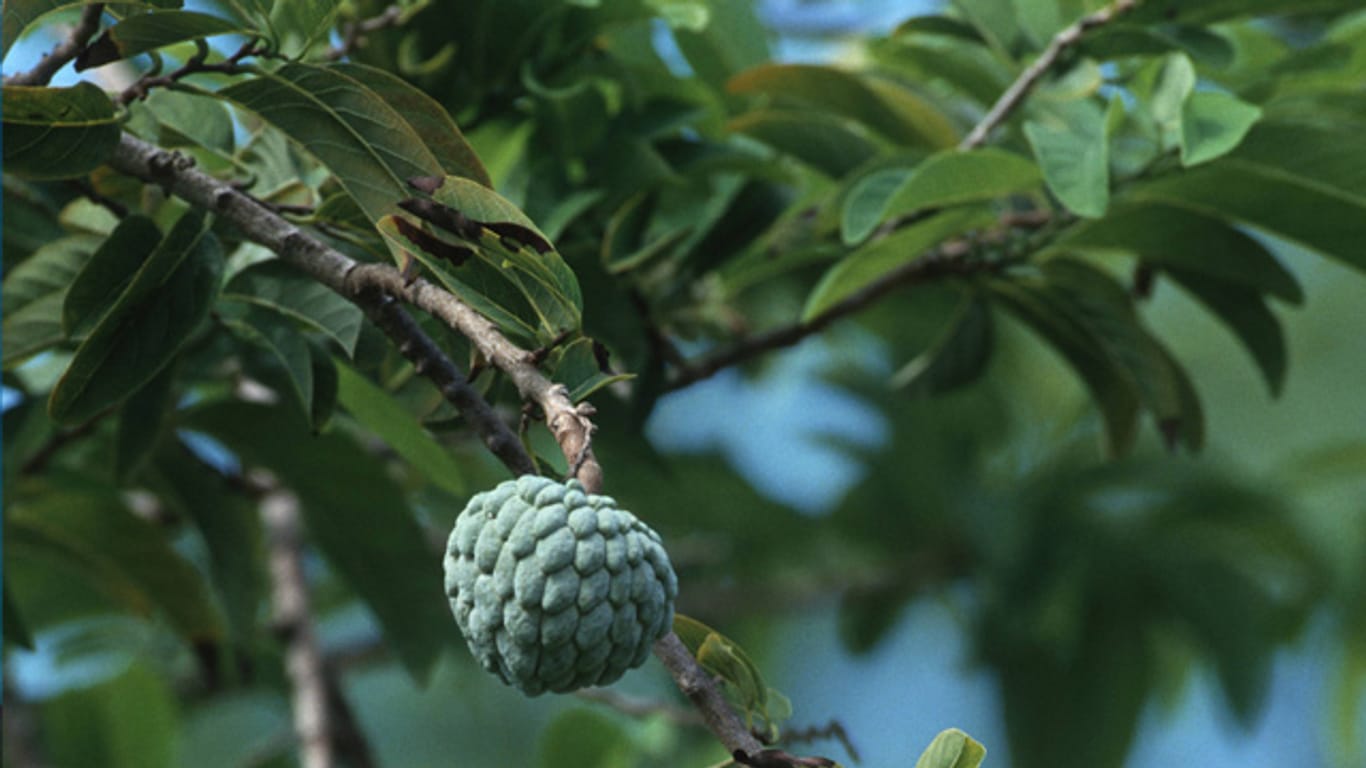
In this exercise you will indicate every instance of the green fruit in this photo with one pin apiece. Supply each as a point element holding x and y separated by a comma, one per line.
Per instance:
<point>555,589</point>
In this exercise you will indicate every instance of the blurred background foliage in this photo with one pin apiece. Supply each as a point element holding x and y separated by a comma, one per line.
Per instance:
<point>947,512</point>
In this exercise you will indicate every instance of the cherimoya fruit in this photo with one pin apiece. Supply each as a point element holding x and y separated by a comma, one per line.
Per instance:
<point>554,588</point>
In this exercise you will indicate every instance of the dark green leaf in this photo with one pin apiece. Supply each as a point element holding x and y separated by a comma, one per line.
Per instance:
<point>301,23</point>
<point>427,118</point>
<point>1178,238</point>
<point>229,525</point>
<point>108,273</point>
<point>733,40</point>
<point>583,737</point>
<point>1247,316</point>
<point>141,423</point>
<point>1218,10</point>
<point>57,133</point>
<point>379,412</point>
<point>325,385</point>
<point>287,348</point>
<point>898,114</point>
<point>826,142</point>
<point>350,129</point>
<point>34,293</point>
<point>163,304</point>
<point>1073,151</point>
<point>576,366</point>
<point>1110,385</point>
<point>1212,124</point>
<point>19,15</point>
<point>126,722</point>
<point>874,260</point>
<point>481,285</point>
<point>1301,182</point>
<point>952,749</point>
<point>149,31</point>
<point>15,631</point>
<point>282,288</point>
<point>947,178</point>
<point>118,552</point>
<point>958,357</point>
<point>363,526</point>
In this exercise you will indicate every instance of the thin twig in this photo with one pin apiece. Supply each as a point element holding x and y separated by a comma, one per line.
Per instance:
<point>293,624</point>
<point>639,708</point>
<point>354,32</point>
<point>945,261</point>
<point>1013,96</point>
<point>68,49</point>
<point>948,259</point>
<point>194,65</point>
<point>568,422</point>
<point>38,462</point>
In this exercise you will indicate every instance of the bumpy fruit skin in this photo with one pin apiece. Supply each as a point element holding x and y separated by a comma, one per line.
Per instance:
<point>555,589</point>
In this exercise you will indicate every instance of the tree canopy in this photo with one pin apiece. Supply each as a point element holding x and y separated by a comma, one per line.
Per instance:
<point>287,283</point>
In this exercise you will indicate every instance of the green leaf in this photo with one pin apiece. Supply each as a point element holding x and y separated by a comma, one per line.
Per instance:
<point>19,15</point>
<point>1212,124</point>
<point>229,525</point>
<point>875,260</point>
<point>1177,238</point>
<point>427,118</point>
<point>957,358</point>
<point>149,31</point>
<point>379,412</point>
<point>1246,314</point>
<point>828,143</point>
<point>1305,183</point>
<point>118,551</point>
<point>370,147</point>
<point>286,346</point>
<point>733,40</point>
<point>364,526</point>
<point>108,273</point>
<point>948,178</point>
<point>127,722</point>
<point>1110,385</point>
<point>142,421</point>
<point>325,386</point>
<point>576,366</point>
<point>952,748</point>
<point>503,237</point>
<point>1073,151</point>
<point>1209,11</point>
<point>481,285</point>
<point>298,24</point>
<point>583,737</point>
<point>282,288</point>
<point>898,114</point>
<point>192,117</point>
<point>15,630</point>
<point>57,133</point>
<point>34,293</point>
<point>163,304</point>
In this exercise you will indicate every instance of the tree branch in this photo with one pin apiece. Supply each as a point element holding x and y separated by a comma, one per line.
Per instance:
<point>177,175</point>
<point>361,284</point>
<point>65,51</point>
<point>705,695</point>
<point>945,261</point>
<point>292,622</point>
<point>1013,96</point>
